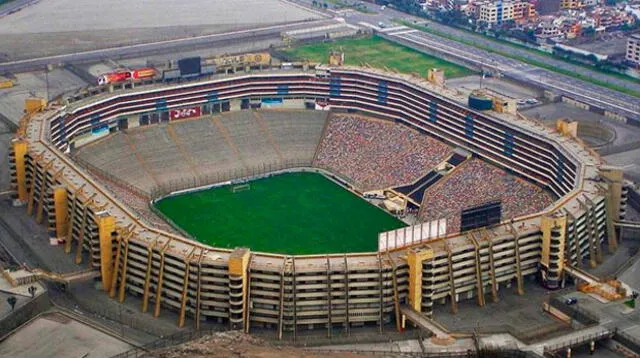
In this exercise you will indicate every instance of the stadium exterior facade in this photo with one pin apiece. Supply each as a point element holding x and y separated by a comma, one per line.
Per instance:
<point>289,293</point>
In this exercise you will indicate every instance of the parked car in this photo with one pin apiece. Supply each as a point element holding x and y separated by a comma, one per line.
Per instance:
<point>532,101</point>
<point>571,301</point>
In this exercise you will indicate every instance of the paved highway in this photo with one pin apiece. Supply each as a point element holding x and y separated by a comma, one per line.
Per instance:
<point>561,84</point>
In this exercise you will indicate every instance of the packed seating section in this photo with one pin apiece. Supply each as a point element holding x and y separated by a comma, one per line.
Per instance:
<point>475,183</point>
<point>376,154</point>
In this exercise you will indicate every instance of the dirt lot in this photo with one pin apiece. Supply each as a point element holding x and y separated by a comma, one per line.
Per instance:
<point>230,344</point>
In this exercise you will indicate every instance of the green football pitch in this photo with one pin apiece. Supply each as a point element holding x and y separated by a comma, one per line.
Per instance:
<point>379,53</point>
<point>294,213</point>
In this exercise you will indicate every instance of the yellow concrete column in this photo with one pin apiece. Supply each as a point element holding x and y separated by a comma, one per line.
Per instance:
<point>61,212</point>
<point>415,258</point>
<point>34,104</point>
<point>106,226</point>
<point>238,265</point>
<point>20,150</point>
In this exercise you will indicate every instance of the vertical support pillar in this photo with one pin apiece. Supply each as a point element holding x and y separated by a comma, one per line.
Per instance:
<point>295,300</point>
<point>593,228</point>
<point>185,288</point>
<point>32,188</point>
<point>381,285</point>
<point>199,289</point>
<point>329,303</point>
<point>61,209</point>
<point>590,239</point>
<point>554,230</point>
<point>247,301</point>
<point>576,241</point>
<point>67,244</point>
<point>106,227</point>
<point>479,282</point>
<point>613,199</point>
<point>116,266</point>
<point>238,280</point>
<point>156,311</point>
<point>396,298</point>
<point>281,316</point>
<point>43,189</point>
<point>20,148</point>
<point>147,279</point>
<point>516,249</point>
<point>346,297</point>
<point>492,267</point>
<point>125,265</point>
<point>415,258</point>
<point>452,281</point>
<point>81,234</point>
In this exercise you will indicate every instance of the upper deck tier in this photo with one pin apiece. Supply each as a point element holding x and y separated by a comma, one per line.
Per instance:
<point>526,147</point>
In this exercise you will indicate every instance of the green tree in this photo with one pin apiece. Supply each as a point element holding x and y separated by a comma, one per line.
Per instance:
<point>12,300</point>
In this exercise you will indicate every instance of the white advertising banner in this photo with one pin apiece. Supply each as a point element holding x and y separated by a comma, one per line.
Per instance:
<point>411,235</point>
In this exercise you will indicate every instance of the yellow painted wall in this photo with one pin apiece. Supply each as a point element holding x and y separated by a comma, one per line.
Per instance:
<point>20,149</point>
<point>106,225</point>
<point>415,258</point>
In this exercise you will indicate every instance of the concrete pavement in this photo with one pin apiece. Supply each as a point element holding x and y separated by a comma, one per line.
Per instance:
<point>154,48</point>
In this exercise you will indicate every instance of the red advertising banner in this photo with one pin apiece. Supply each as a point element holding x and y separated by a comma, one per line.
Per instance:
<point>183,113</point>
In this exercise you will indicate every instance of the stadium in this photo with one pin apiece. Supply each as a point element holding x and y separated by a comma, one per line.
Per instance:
<point>84,168</point>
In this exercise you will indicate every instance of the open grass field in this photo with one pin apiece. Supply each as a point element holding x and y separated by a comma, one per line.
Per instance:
<point>294,213</point>
<point>380,53</point>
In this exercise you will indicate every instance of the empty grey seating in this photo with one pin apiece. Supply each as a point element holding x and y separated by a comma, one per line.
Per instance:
<point>208,150</point>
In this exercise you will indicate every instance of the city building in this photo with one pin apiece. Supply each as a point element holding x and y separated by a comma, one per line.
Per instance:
<point>633,49</point>
<point>571,4</point>
<point>524,10</point>
<point>496,12</point>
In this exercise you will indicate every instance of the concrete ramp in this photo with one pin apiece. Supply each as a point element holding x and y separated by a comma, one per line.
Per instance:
<point>441,335</point>
<point>581,275</point>
<point>67,278</point>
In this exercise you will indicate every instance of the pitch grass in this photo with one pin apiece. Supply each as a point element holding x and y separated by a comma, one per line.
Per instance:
<point>294,213</point>
<point>379,53</point>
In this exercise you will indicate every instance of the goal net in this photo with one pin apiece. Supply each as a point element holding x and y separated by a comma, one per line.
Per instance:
<point>239,188</point>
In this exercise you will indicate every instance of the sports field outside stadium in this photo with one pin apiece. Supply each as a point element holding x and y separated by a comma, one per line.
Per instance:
<point>293,213</point>
<point>379,53</point>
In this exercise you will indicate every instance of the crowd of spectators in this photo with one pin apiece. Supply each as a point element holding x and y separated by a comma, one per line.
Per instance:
<point>475,183</point>
<point>376,154</point>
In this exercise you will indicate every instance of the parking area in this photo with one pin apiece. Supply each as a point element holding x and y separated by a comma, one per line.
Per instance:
<point>495,85</point>
<point>520,315</point>
<point>50,335</point>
